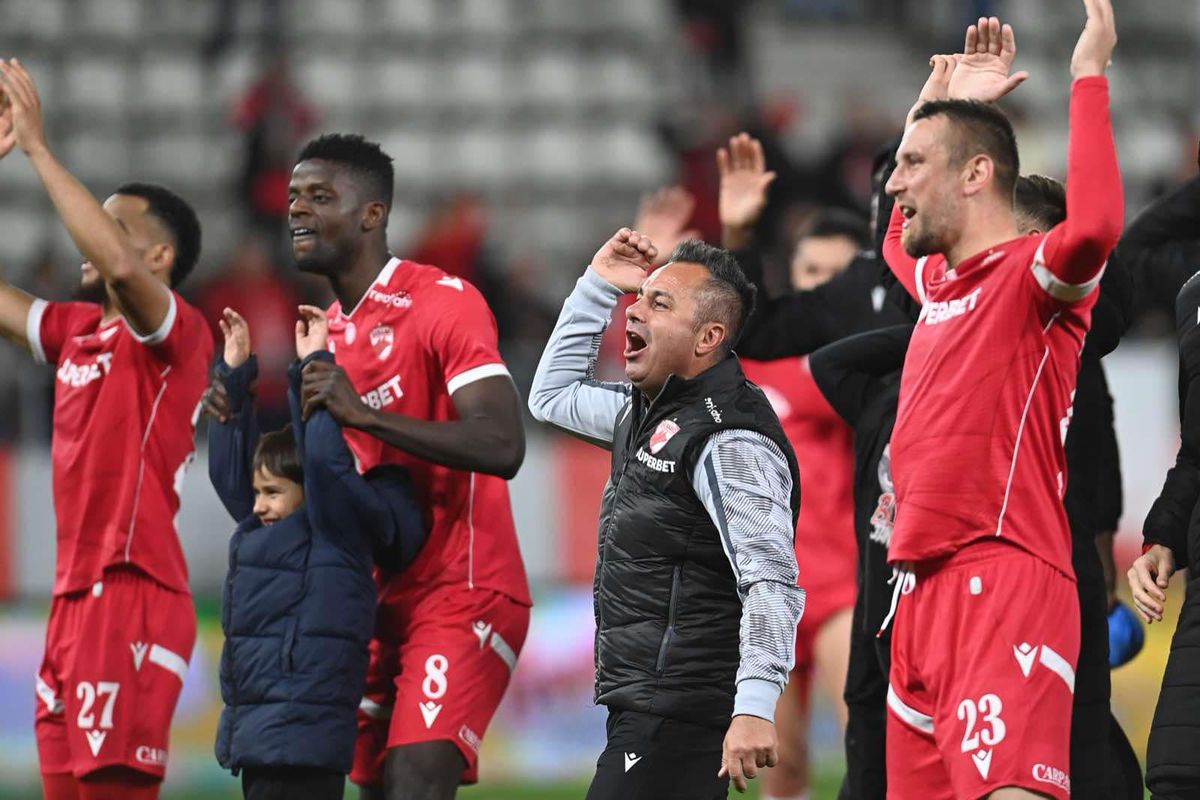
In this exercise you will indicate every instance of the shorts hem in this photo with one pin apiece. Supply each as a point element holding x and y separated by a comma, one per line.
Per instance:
<point>1038,787</point>
<point>157,774</point>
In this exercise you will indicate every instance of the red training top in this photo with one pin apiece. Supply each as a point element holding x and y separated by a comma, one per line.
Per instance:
<point>987,387</point>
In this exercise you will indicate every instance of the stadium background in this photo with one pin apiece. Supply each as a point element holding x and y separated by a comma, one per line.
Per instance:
<point>524,132</point>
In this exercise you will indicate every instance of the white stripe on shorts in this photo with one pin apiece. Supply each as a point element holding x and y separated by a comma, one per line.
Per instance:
<point>172,662</point>
<point>922,722</point>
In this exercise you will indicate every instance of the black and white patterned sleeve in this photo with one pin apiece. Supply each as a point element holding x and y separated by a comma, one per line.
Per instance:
<point>744,482</point>
<point>565,392</point>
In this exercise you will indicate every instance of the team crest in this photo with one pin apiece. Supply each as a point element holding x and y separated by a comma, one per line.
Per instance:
<point>382,339</point>
<point>662,434</point>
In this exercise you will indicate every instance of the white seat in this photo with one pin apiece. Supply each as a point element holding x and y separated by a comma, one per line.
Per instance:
<point>485,17</point>
<point>40,21</point>
<point>177,158</point>
<point>331,82</point>
<point>476,81</point>
<point>323,18</point>
<point>170,83</point>
<point>476,156</point>
<point>411,19</point>
<point>629,153</point>
<point>397,81</point>
<point>95,82</point>
<point>22,234</point>
<point>413,154</point>
<point>114,19</point>
<point>549,154</point>
<point>100,159</point>
<point>548,77</point>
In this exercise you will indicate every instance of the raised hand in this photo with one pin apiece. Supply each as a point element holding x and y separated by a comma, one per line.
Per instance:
<point>625,260</point>
<point>8,132</point>
<point>937,85</point>
<point>237,338</point>
<point>25,107</point>
<point>744,182</point>
<point>663,217</point>
<point>312,331</point>
<point>987,58</point>
<point>1093,51</point>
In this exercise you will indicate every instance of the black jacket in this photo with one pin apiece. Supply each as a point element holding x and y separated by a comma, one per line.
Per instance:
<point>667,609</point>
<point>299,602</point>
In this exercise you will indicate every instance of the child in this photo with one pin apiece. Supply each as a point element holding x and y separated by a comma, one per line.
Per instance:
<point>299,601</point>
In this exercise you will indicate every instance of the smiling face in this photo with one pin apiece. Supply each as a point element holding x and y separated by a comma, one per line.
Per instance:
<point>326,211</point>
<point>275,497</point>
<point>927,187</point>
<point>662,336</point>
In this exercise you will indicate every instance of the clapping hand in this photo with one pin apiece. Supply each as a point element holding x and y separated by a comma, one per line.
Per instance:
<point>237,338</point>
<point>22,110</point>
<point>744,182</point>
<point>1093,51</point>
<point>663,217</point>
<point>312,331</point>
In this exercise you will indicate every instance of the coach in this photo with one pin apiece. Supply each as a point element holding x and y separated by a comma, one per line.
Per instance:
<point>696,597</point>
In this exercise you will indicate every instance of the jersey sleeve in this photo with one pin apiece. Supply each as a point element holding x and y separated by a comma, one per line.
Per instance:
<point>462,334</point>
<point>183,331</point>
<point>49,325</point>
<point>1070,258</point>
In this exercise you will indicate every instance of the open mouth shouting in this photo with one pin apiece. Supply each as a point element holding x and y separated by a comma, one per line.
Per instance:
<point>908,212</point>
<point>635,345</point>
<point>303,238</point>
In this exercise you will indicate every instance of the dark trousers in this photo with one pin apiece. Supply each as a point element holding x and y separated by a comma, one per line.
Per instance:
<point>652,758</point>
<point>1173,752</point>
<point>866,709</point>
<point>292,783</point>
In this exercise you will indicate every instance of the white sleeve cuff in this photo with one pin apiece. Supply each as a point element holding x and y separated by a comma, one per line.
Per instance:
<point>757,698</point>
<point>475,374</point>
<point>33,330</point>
<point>164,330</point>
<point>1058,289</point>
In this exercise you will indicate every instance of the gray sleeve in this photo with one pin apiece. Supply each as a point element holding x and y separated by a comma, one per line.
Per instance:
<point>565,392</point>
<point>744,482</point>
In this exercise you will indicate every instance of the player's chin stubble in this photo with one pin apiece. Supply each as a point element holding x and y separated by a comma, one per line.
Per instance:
<point>91,291</point>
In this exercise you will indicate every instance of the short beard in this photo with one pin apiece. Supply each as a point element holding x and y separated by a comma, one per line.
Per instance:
<point>93,292</point>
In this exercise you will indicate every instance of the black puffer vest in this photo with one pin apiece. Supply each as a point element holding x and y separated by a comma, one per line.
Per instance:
<point>667,608</point>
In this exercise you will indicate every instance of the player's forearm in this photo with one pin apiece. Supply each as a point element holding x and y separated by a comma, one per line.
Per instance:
<point>1095,199</point>
<point>15,306</point>
<point>477,444</point>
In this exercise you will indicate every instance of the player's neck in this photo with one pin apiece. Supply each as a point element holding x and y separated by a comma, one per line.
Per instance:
<point>350,286</point>
<point>982,231</point>
<point>109,310</point>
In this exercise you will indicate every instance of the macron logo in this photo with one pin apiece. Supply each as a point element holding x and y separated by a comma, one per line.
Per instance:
<point>139,653</point>
<point>453,283</point>
<point>630,760</point>
<point>95,740</point>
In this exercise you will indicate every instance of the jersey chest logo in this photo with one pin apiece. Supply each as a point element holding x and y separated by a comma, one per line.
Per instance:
<point>77,375</point>
<point>936,312</point>
<point>662,434</point>
<point>382,338</point>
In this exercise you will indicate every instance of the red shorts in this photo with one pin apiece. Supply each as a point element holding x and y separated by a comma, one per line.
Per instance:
<point>983,675</point>
<point>115,660</point>
<point>438,675</point>
<point>821,602</point>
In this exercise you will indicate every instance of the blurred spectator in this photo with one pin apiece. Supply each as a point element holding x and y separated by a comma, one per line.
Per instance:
<point>274,118</point>
<point>252,285</point>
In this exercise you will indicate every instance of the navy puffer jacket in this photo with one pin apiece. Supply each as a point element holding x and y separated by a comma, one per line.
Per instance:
<point>299,600</point>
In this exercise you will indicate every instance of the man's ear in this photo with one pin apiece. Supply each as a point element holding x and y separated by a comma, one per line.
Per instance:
<point>710,338</point>
<point>374,215</point>
<point>162,257</point>
<point>977,174</point>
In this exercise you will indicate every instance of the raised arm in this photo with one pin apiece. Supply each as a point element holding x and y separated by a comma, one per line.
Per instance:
<point>233,429</point>
<point>1074,252</point>
<point>144,300</point>
<point>565,392</point>
<point>744,482</point>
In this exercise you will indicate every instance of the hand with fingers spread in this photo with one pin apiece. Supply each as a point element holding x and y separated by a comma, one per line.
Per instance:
<point>8,131</point>
<point>1093,51</point>
<point>237,338</point>
<point>663,217</point>
<point>625,260</point>
<point>982,71</point>
<point>25,108</point>
<point>744,182</point>
<point>1148,580</point>
<point>750,744</point>
<point>312,331</point>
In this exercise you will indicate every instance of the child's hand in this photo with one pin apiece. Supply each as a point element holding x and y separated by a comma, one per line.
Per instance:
<point>237,338</point>
<point>312,331</point>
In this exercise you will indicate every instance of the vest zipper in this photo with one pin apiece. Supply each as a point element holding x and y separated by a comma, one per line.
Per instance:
<point>661,662</point>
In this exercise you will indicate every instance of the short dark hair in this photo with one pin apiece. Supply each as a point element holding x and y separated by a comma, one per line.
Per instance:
<point>727,296</point>
<point>829,222</point>
<point>1041,202</point>
<point>276,453</point>
<point>365,158</point>
<point>980,128</point>
<point>180,220</point>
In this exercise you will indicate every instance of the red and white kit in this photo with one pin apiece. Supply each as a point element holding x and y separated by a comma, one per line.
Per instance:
<point>122,623</point>
<point>977,457</point>
<point>824,445</point>
<point>450,626</point>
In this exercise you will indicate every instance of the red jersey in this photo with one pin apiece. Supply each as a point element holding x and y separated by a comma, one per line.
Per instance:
<point>824,446</point>
<point>125,409</point>
<point>417,336</point>
<point>988,382</point>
